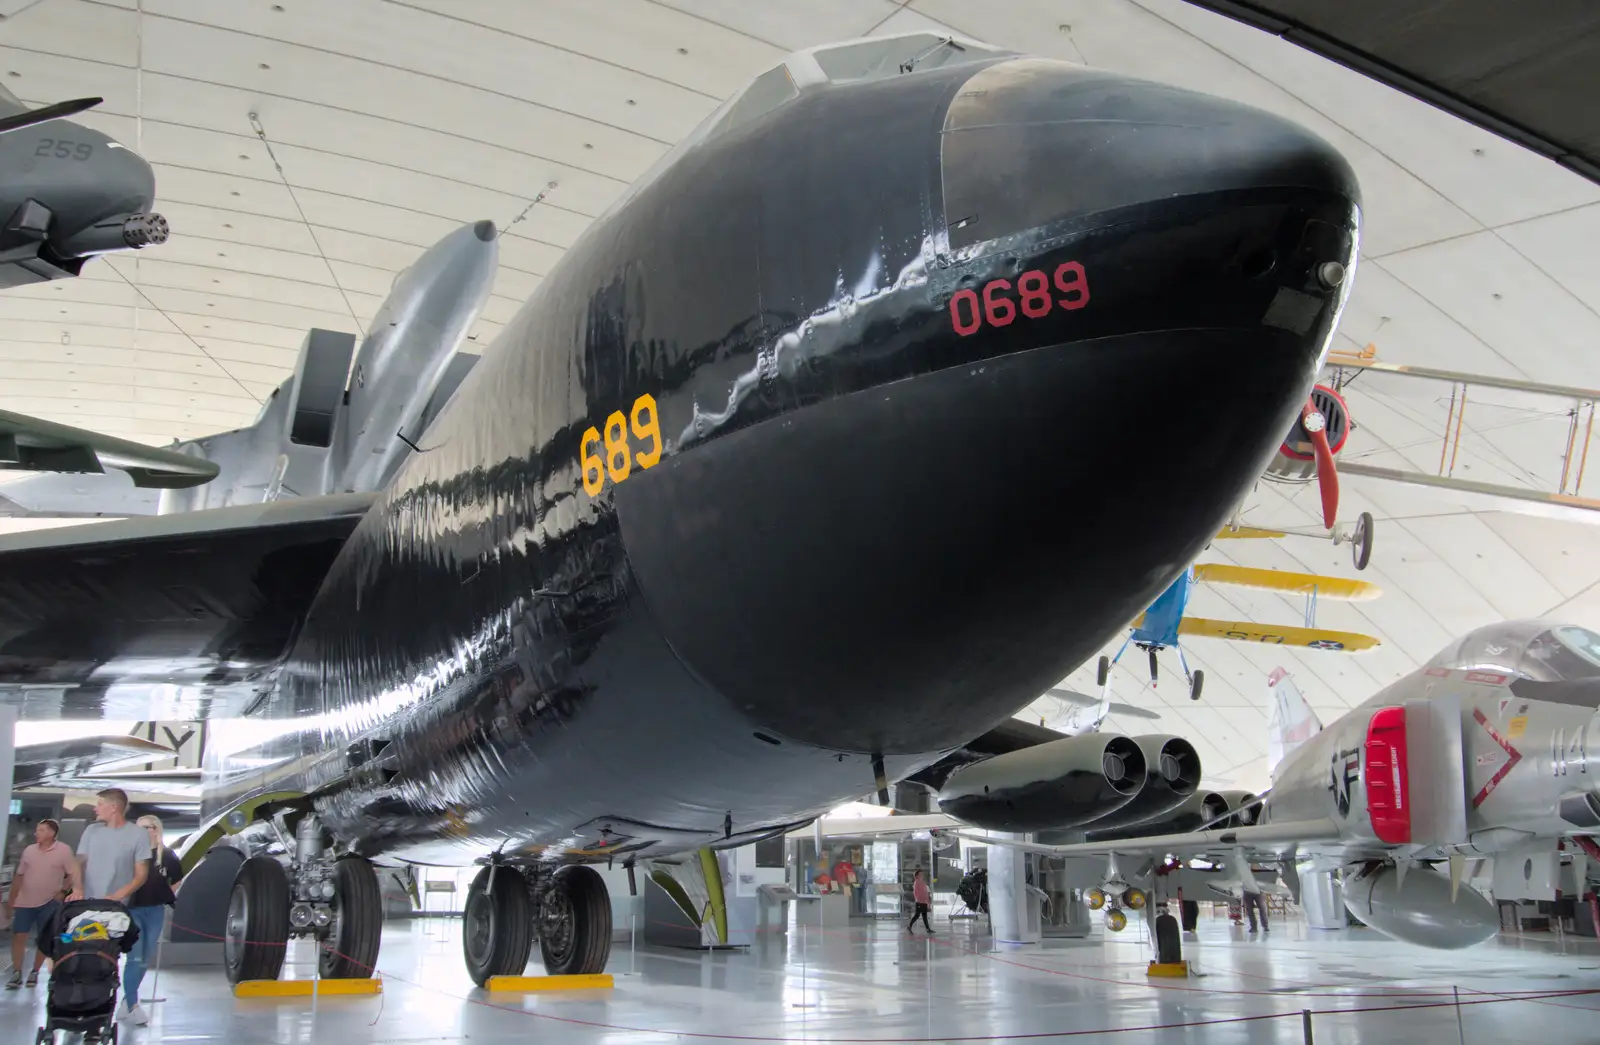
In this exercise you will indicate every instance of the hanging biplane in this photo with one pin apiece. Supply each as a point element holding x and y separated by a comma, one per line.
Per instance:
<point>1160,626</point>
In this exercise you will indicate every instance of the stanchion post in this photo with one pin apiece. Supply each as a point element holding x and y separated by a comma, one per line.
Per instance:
<point>1461,1033</point>
<point>1305,1026</point>
<point>155,984</point>
<point>633,943</point>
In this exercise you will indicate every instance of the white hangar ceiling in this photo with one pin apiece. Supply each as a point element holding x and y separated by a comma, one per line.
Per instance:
<point>396,120</point>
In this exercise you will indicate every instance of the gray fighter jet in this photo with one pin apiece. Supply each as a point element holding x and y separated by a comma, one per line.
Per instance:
<point>1483,752</point>
<point>330,427</point>
<point>68,193</point>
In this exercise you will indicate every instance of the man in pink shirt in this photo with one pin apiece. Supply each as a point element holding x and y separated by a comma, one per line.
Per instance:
<point>47,869</point>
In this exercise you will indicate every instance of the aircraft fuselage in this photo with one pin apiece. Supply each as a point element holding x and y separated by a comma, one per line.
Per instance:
<point>814,450</point>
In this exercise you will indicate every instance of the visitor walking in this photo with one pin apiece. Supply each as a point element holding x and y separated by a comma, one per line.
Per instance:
<point>116,861</point>
<point>923,898</point>
<point>47,869</point>
<point>148,905</point>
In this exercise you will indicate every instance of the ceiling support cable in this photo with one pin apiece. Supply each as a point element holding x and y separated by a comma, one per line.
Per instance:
<point>261,132</point>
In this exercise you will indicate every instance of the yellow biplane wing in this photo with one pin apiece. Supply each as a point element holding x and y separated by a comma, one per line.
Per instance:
<point>1231,532</point>
<point>1340,588</point>
<point>1277,634</point>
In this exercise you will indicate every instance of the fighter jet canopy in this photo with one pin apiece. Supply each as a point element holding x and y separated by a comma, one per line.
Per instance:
<point>1544,651</point>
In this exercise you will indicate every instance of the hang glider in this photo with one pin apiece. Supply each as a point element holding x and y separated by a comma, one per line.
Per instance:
<point>32,444</point>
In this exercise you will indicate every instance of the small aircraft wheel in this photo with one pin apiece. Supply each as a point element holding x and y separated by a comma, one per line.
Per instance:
<point>1195,685</point>
<point>1133,898</point>
<point>1155,668</point>
<point>1361,543</point>
<point>1116,921</point>
<point>1103,671</point>
<point>1097,899</point>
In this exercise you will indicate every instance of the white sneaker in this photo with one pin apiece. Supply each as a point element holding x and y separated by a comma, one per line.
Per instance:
<point>134,1015</point>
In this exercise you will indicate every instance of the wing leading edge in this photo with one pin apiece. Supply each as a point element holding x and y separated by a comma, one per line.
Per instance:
<point>181,616</point>
<point>1188,843</point>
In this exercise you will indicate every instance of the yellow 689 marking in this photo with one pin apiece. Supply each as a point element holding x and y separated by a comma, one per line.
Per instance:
<point>616,458</point>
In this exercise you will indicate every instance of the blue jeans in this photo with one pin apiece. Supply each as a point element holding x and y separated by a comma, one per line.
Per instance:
<point>150,920</point>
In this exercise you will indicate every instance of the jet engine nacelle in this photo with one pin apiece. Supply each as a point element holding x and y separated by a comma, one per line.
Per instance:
<point>1173,777</point>
<point>1244,807</point>
<point>1419,910</point>
<point>1061,784</point>
<point>1198,810</point>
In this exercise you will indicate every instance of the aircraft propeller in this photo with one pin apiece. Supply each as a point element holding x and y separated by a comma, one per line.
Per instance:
<point>20,120</point>
<point>1316,427</point>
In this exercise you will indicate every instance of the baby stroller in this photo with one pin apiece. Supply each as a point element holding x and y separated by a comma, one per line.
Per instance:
<point>84,941</point>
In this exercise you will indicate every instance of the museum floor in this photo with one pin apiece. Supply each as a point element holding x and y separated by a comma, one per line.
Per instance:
<point>875,983</point>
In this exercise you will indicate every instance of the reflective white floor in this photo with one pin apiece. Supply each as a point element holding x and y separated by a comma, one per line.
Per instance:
<point>875,983</point>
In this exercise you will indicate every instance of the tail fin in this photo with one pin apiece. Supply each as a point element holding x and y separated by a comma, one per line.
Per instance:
<point>1292,722</point>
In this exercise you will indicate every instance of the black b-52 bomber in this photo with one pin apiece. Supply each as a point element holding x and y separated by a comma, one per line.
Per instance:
<point>806,465</point>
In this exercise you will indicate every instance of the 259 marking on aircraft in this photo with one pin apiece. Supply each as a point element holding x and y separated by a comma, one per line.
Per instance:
<point>619,460</point>
<point>1033,290</point>
<point>73,150</point>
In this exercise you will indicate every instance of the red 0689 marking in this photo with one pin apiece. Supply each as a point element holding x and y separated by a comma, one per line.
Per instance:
<point>969,312</point>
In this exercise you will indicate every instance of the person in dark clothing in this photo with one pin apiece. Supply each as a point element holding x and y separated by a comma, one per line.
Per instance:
<point>1254,902</point>
<point>148,906</point>
<point>1191,915</point>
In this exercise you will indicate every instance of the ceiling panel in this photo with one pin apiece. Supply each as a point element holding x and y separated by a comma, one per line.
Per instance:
<point>652,38</point>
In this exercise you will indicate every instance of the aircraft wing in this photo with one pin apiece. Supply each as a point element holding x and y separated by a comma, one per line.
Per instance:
<point>181,616</point>
<point>174,783</point>
<point>31,444</point>
<point>1278,634</point>
<point>1273,837</point>
<point>1517,72</point>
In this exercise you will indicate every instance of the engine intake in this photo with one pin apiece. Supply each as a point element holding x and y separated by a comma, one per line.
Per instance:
<point>1174,776</point>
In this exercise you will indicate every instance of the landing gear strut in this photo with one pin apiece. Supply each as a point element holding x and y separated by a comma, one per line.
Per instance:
<point>333,899</point>
<point>569,909</point>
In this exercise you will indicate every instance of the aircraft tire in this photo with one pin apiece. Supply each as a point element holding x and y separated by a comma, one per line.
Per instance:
<point>1102,671</point>
<point>1361,547</point>
<point>1194,687</point>
<point>256,937</point>
<point>576,923</point>
<point>497,925</point>
<point>352,949</point>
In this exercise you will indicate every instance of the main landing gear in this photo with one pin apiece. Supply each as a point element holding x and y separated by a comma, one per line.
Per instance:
<point>568,910</point>
<point>334,899</point>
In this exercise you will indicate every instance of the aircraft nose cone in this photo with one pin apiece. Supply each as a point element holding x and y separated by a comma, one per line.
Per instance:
<point>1028,143</point>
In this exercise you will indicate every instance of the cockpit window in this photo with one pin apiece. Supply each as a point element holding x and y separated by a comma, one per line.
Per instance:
<point>873,58</point>
<point>1537,650</point>
<point>765,93</point>
<point>1566,653</point>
